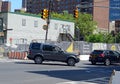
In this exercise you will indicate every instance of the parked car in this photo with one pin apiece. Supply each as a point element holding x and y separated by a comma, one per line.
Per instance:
<point>104,56</point>
<point>40,52</point>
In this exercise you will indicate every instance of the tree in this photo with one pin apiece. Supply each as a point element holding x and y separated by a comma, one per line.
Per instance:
<point>64,16</point>
<point>95,38</point>
<point>100,38</point>
<point>109,38</point>
<point>85,24</point>
<point>117,38</point>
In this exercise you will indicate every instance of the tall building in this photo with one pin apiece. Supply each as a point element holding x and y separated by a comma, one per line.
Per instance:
<point>114,14</point>
<point>36,6</point>
<point>101,14</point>
<point>85,6</point>
<point>105,12</point>
<point>6,6</point>
<point>24,4</point>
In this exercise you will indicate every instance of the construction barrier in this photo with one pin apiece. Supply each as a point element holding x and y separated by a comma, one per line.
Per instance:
<point>17,55</point>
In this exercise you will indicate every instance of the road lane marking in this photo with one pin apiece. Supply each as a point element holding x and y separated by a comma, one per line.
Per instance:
<point>103,80</point>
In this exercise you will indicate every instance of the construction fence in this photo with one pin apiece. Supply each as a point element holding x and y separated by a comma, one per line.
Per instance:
<point>19,51</point>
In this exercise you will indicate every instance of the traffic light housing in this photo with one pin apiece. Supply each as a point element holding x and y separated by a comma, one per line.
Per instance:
<point>44,14</point>
<point>76,13</point>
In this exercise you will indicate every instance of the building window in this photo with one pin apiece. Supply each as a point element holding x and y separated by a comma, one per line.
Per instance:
<point>23,22</point>
<point>35,23</point>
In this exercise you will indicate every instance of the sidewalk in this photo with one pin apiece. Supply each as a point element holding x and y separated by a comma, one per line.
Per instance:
<point>6,59</point>
<point>3,57</point>
<point>115,77</point>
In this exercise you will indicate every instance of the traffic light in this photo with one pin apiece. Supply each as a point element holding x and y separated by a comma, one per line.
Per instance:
<point>44,14</point>
<point>76,13</point>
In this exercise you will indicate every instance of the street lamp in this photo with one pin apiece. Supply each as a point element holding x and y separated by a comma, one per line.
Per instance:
<point>48,18</point>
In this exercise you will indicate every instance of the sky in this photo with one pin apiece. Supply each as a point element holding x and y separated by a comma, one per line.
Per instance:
<point>15,4</point>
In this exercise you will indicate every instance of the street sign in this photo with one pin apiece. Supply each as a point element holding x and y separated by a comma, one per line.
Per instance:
<point>45,27</point>
<point>1,33</point>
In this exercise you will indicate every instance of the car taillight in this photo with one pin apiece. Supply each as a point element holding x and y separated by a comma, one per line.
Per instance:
<point>102,55</point>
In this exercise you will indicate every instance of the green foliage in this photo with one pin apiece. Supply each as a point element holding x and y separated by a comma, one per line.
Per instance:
<point>100,38</point>
<point>64,16</point>
<point>95,38</point>
<point>117,38</point>
<point>109,38</point>
<point>85,24</point>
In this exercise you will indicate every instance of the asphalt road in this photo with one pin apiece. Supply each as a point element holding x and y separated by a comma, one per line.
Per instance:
<point>26,72</point>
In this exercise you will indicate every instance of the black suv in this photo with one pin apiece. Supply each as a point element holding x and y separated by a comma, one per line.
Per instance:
<point>40,52</point>
<point>105,56</point>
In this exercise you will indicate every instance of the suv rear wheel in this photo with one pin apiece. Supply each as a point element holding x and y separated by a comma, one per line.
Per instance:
<point>38,60</point>
<point>71,62</point>
<point>107,62</point>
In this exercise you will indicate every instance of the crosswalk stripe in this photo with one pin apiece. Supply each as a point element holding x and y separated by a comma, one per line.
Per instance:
<point>103,80</point>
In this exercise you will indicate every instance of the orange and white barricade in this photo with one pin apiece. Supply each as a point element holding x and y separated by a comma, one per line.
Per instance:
<point>17,55</point>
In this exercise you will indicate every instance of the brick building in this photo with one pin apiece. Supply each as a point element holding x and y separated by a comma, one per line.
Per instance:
<point>5,6</point>
<point>107,14</point>
<point>101,14</point>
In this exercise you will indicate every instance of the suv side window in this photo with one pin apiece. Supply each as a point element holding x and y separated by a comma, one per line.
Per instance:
<point>111,53</point>
<point>36,46</point>
<point>48,48</point>
<point>57,48</point>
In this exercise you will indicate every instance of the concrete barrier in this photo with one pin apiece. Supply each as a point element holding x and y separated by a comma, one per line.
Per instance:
<point>84,57</point>
<point>17,55</point>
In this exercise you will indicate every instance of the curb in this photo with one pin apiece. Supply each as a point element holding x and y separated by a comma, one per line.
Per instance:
<point>75,82</point>
<point>84,57</point>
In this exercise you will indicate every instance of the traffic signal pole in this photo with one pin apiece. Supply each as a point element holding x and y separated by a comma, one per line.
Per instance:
<point>76,15</point>
<point>48,20</point>
<point>46,15</point>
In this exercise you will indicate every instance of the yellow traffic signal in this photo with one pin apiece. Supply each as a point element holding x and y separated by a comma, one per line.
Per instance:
<point>76,13</point>
<point>44,14</point>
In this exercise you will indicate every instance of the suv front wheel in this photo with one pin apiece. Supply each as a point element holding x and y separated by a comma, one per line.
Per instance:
<point>38,60</point>
<point>71,62</point>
